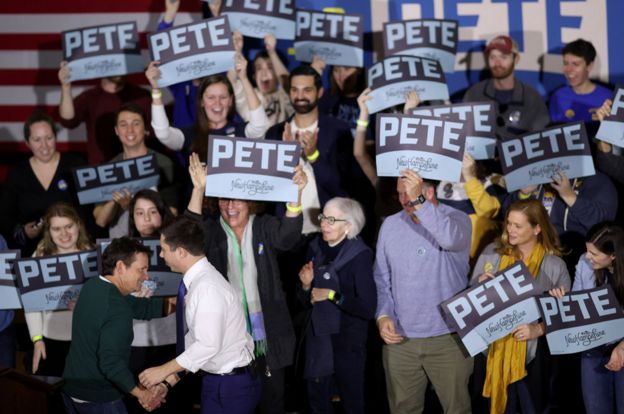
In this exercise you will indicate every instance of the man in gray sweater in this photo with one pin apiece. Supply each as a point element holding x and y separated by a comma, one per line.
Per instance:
<point>422,260</point>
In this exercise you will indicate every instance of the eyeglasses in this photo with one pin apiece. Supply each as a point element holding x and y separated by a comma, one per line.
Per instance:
<point>329,219</point>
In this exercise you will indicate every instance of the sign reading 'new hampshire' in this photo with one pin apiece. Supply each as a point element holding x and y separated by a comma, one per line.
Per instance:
<point>258,18</point>
<point>336,38</point>
<point>395,76</point>
<point>536,157</point>
<point>251,169</point>
<point>430,38</point>
<point>492,309</point>
<point>192,50</point>
<point>582,320</point>
<point>479,119</point>
<point>50,282</point>
<point>102,51</point>
<point>432,147</point>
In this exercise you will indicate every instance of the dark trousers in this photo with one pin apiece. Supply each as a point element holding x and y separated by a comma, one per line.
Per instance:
<point>272,380</point>
<point>230,394</point>
<point>348,380</point>
<point>56,353</point>
<point>7,347</point>
<point>111,407</point>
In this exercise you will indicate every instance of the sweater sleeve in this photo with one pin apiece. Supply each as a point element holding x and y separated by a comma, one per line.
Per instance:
<point>364,301</point>
<point>383,281</point>
<point>584,275</point>
<point>611,164</point>
<point>146,309</point>
<point>34,321</point>
<point>241,101</point>
<point>258,123</point>
<point>171,137</point>
<point>451,229</point>
<point>112,351</point>
<point>596,202</point>
<point>485,205</point>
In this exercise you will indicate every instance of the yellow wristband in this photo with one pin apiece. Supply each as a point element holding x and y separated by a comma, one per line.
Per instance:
<point>293,209</point>
<point>314,156</point>
<point>523,196</point>
<point>362,123</point>
<point>331,295</point>
<point>156,94</point>
<point>37,338</point>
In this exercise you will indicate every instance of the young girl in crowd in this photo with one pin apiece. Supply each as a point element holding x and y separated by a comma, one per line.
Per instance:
<point>50,331</point>
<point>602,373</point>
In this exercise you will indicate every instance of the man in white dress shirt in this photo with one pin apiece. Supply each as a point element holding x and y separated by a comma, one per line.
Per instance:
<point>216,341</point>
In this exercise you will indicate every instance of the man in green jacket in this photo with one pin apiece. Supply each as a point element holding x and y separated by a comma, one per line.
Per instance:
<point>96,371</point>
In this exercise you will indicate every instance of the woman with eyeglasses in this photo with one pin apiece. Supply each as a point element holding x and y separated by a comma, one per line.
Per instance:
<point>243,246</point>
<point>337,283</point>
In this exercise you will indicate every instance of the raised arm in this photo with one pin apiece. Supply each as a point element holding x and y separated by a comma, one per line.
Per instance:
<point>278,66</point>
<point>359,143</point>
<point>66,105</point>
<point>171,137</point>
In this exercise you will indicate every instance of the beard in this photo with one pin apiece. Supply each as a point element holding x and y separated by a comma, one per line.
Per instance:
<point>303,106</point>
<point>501,72</point>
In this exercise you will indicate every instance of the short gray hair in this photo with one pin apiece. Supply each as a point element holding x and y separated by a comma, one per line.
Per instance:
<point>353,213</point>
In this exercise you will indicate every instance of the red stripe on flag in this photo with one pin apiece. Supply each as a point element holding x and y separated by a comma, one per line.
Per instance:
<point>19,113</point>
<point>49,77</point>
<point>44,41</point>
<point>60,146</point>
<point>90,6</point>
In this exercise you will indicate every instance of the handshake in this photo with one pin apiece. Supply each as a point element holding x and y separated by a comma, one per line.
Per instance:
<point>150,398</point>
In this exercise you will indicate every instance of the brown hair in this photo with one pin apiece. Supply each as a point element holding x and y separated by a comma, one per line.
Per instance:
<point>536,214</point>
<point>46,246</point>
<point>202,128</point>
<point>608,238</point>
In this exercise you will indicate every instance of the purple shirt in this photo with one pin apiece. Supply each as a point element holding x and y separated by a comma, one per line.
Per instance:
<point>418,266</point>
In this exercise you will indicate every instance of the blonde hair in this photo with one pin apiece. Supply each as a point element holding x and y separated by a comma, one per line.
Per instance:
<point>536,215</point>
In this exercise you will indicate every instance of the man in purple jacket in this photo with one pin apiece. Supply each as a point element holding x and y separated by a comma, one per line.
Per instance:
<point>422,260</point>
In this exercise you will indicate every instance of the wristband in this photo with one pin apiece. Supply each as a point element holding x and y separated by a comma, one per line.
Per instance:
<point>37,338</point>
<point>314,156</point>
<point>362,123</point>
<point>156,94</point>
<point>523,196</point>
<point>166,384</point>
<point>293,209</point>
<point>331,295</point>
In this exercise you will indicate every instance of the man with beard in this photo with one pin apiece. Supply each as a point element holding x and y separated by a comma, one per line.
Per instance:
<point>97,107</point>
<point>326,143</point>
<point>520,108</point>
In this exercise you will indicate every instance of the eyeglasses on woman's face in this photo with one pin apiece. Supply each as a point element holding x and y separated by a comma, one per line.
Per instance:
<point>329,219</point>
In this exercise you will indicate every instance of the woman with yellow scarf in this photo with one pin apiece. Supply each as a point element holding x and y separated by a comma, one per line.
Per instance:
<point>517,375</point>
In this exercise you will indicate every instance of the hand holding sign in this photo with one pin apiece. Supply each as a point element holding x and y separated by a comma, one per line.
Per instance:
<point>152,73</point>
<point>318,64</point>
<point>528,331</point>
<point>561,183</point>
<point>122,198</point>
<point>300,178</point>
<point>600,114</point>
<point>361,100</point>
<point>411,101</point>
<point>64,74</point>
<point>238,41</point>
<point>270,42</point>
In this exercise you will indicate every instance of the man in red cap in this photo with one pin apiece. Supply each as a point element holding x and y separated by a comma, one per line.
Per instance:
<point>520,108</point>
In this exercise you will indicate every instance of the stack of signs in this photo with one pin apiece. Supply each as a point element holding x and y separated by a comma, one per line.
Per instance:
<point>395,76</point>
<point>612,127</point>
<point>492,309</point>
<point>480,122</point>
<point>582,320</point>
<point>336,38</point>
<point>162,281</point>
<point>50,282</point>
<point>9,296</point>
<point>252,169</point>
<point>430,38</point>
<point>432,147</point>
<point>102,51</point>
<point>98,183</point>
<point>192,50</point>
<point>535,158</point>
<point>258,18</point>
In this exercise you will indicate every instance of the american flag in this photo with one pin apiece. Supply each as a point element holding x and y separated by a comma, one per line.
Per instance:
<point>30,53</point>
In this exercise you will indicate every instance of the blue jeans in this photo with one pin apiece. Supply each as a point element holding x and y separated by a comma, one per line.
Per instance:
<point>230,394</point>
<point>111,407</point>
<point>603,390</point>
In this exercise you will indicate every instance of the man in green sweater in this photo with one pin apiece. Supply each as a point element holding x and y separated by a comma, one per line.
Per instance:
<point>96,371</point>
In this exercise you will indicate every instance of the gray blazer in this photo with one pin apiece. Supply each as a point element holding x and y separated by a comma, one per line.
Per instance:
<point>553,273</point>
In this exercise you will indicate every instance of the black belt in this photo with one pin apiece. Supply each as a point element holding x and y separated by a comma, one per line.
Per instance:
<point>236,371</point>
